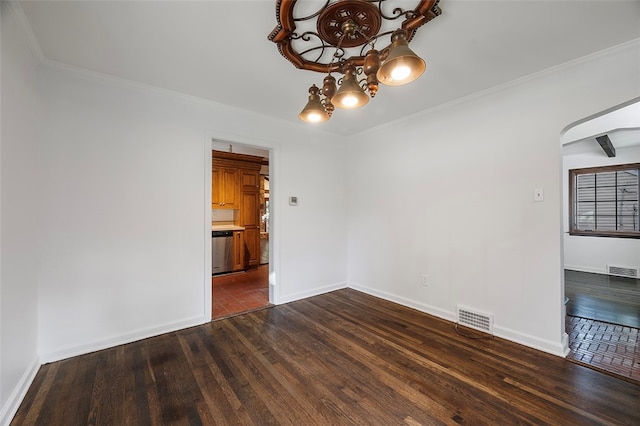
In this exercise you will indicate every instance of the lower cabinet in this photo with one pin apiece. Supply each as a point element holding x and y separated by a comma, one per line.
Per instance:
<point>250,220</point>
<point>238,250</point>
<point>252,246</point>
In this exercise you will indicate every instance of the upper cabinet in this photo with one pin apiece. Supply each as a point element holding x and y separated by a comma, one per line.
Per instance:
<point>225,188</point>
<point>250,180</point>
<point>231,175</point>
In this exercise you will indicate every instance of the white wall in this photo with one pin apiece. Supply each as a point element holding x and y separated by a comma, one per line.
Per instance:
<point>126,232</point>
<point>112,219</point>
<point>593,254</point>
<point>449,193</point>
<point>19,203</point>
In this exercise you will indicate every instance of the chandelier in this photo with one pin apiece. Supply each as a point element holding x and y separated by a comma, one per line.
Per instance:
<point>340,37</point>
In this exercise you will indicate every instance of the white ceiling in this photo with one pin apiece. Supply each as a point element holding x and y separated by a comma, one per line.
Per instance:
<point>219,51</point>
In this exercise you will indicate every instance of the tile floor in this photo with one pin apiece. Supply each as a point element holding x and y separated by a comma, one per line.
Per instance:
<point>611,348</point>
<point>240,292</point>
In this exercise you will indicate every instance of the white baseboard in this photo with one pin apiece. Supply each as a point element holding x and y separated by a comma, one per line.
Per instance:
<point>10,408</point>
<point>112,341</point>
<point>310,293</point>
<point>565,345</point>
<point>427,309</point>
<point>122,339</point>
<point>559,349</point>
<point>589,269</point>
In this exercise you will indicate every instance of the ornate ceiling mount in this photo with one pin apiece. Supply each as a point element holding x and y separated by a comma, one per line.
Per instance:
<point>332,21</point>
<point>341,35</point>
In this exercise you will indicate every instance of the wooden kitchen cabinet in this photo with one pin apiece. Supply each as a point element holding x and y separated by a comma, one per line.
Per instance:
<point>225,188</point>
<point>236,185</point>
<point>249,180</point>
<point>252,247</point>
<point>250,212</point>
<point>250,218</point>
<point>238,250</point>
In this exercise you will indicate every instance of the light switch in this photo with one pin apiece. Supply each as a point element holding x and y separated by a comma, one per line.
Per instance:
<point>293,201</point>
<point>538,194</point>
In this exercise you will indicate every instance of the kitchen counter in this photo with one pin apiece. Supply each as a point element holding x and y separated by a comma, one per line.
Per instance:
<point>227,228</point>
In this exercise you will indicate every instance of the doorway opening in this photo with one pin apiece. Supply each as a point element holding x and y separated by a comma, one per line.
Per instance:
<point>602,309</point>
<point>240,213</point>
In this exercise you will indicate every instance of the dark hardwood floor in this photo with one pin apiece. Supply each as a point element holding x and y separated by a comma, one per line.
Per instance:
<point>603,297</point>
<point>339,358</point>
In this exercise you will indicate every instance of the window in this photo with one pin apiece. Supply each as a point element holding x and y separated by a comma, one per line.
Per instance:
<point>603,201</point>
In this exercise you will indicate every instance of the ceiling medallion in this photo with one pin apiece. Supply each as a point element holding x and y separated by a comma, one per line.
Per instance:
<point>340,36</point>
<point>363,14</point>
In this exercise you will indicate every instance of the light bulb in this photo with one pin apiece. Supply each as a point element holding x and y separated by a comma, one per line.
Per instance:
<point>314,117</point>
<point>401,65</point>
<point>349,101</point>
<point>400,72</point>
<point>313,111</point>
<point>350,94</point>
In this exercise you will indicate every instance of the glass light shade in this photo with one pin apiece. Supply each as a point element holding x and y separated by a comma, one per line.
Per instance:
<point>350,95</point>
<point>313,112</point>
<point>402,65</point>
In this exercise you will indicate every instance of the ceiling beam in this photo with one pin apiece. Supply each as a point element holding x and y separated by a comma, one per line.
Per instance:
<point>606,145</point>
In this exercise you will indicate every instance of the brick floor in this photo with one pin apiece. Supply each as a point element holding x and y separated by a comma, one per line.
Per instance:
<point>612,348</point>
<point>233,294</point>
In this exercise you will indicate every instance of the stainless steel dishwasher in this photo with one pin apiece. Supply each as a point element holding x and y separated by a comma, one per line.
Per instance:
<point>221,252</point>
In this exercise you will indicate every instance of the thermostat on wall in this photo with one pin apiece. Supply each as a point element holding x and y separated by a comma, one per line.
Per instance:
<point>293,201</point>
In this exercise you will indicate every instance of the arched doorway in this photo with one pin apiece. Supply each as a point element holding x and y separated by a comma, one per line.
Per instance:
<point>602,304</point>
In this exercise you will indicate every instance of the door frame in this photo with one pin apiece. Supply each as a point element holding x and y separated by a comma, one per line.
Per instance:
<point>274,223</point>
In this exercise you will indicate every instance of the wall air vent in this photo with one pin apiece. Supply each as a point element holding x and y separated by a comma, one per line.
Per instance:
<point>622,271</point>
<point>474,319</point>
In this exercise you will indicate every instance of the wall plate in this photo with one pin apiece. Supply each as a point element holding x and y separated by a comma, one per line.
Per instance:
<point>538,194</point>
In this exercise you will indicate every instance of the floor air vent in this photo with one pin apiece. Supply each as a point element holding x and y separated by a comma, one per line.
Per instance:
<point>621,271</point>
<point>474,319</point>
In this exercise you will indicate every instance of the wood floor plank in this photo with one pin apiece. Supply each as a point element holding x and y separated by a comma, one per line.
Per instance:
<point>251,381</point>
<point>295,380</point>
<point>311,369</point>
<point>340,358</point>
<point>54,403</point>
<point>220,397</point>
<point>40,388</point>
<point>282,394</point>
<point>603,297</point>
<point>365,363</point>
<point>78,404</point>
<point>461,389</point>
<point>104,400</point>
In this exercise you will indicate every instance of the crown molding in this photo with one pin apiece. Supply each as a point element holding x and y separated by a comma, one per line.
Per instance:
<point>631,44</point>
